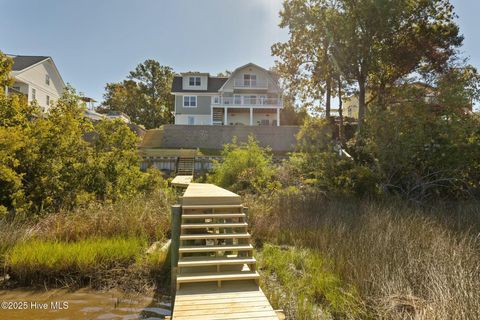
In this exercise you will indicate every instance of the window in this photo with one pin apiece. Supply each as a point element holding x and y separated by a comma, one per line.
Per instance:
<point>191,121</point>
<point>34,94</point>
<point>265,122</point>
<point>48,100</point>
<point>237,99</point>
<point>47,79</point>
<point>216,99</point>
<point>250,80</point>
<point>194,81</point>
<point>190,101</point>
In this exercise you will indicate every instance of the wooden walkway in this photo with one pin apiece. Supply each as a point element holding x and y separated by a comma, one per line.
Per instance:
<point>213,268</point>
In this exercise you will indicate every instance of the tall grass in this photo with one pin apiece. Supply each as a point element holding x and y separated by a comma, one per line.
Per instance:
<point>406,262</point>
<point>307,280</point>
<point>35,260</point>
<point>103,242</point>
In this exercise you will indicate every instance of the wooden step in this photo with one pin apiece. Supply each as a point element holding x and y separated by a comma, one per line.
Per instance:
<point>213,215</point>
<point>214,261</point>
<point>192,249</point>
<point>215,236</point>
<point>217,276</point>
<point>213,225</point>
<point>216,206</point>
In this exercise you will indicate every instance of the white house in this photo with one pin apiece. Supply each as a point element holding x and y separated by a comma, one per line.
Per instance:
<point>250,96</point>
<point>37,78</point>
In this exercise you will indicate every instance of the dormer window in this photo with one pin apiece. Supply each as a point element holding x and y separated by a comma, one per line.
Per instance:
<point>194,81</point>
<point>47,79</point>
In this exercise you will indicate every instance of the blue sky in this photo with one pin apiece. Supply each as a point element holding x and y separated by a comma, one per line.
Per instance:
<point>97,41</point>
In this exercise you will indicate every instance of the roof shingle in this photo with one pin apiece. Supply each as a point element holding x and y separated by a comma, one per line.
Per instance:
<point>214,84</point>
<point>23,62</point>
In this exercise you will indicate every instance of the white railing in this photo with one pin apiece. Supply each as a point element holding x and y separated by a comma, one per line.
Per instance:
<point>246,101</point>
<point>250,84</point>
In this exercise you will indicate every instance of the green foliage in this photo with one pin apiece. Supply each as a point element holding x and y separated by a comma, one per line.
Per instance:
<point>61,160</point>
<point>144,96</point>
<point>321,165</point>
<point>309,284</point>
<point>37,258</point>
<point>246,167</point>
<point>423,154</point>
<point>367,42</point>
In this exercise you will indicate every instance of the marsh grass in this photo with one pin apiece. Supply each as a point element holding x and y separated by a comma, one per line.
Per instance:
<point>43,260</point>
<point>312,291</point>
<point>102,244</point>
<point>406,262</point>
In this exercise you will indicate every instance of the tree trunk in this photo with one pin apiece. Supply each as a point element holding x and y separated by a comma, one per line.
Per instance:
<point>340,111</point>
<point>329,97</point>
<point>361,102</point>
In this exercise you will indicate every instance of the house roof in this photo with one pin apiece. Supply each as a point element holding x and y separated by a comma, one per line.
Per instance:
<point>273,76</point>
<point>23,62</point>
<point>214,84</point>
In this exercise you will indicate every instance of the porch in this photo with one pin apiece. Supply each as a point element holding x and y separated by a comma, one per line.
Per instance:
<point>253,116</point>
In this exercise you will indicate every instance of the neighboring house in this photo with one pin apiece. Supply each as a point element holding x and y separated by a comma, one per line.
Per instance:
<point>425,91</point>
<point>250,96</point>
<point>37,78</point>
<point>112,115</point>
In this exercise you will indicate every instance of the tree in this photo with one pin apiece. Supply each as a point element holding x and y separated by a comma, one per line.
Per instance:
<point>305,58</point>
<point>292,115</point>
<point>144,96</point>
<point>374,43</point>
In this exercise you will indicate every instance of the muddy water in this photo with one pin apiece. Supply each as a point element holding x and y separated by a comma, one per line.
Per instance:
<point>21,304</point>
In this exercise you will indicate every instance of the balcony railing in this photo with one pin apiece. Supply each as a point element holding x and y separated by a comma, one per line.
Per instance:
<point>250,84</point>
<point>247,101</point>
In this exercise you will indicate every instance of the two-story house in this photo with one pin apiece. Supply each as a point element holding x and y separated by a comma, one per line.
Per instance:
<point>250,96</point>
<point>37,78</point>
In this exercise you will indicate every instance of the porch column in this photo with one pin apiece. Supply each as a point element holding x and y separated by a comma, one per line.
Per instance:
<point>225,120</point>
<point>251,116</point>
<point>278,117</point>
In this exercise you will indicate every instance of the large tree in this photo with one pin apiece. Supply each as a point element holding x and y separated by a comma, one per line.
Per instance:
<point>374,43</point>
<point>144,95</point>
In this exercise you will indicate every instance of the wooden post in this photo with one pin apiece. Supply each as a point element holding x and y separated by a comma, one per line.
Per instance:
<point>175,244</point>
<point>245,211</point>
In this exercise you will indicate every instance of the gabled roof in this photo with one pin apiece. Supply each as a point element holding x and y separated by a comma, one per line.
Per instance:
<point>23,62</point>
<point>271,74</point>
<point>214,84</point>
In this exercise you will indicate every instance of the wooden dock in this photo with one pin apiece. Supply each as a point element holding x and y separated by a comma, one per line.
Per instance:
<point>213,268</point>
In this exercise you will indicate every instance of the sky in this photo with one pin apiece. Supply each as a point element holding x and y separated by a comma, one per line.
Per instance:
<point>94,42</point>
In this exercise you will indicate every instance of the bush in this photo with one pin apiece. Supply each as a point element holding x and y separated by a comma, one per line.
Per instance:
<point>245,168</point>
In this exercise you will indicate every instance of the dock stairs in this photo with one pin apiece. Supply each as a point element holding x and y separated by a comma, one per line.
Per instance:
<point>185,166</point>
<point>213,267</point>
<point>215,245</point>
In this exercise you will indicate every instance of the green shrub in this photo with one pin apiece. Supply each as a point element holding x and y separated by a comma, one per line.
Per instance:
<point>246,168</point>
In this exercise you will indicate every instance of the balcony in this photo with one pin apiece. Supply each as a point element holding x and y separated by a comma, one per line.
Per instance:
<point>250,84</point>
<point>242,101</point>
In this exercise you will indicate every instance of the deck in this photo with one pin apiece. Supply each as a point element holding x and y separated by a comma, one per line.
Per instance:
<point>213,267</point>
<point>182,181</point>
<point>234,300</point>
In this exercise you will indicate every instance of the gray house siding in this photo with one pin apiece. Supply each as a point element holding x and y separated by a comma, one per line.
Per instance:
<point>203,105</point>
